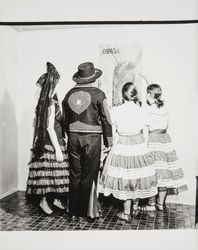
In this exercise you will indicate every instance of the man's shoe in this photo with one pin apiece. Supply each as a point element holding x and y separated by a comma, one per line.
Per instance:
<point>92,220</point>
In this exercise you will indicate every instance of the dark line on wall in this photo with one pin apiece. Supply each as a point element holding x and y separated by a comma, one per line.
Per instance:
<point>98,22</point>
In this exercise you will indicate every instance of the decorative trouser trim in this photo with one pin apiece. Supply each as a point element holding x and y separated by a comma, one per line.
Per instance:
<point>93,206</point>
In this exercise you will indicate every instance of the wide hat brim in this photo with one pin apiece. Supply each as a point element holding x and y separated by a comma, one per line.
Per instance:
<point>78,79</point>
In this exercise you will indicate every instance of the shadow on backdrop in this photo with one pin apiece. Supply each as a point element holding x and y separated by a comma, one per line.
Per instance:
<point>8,145</point>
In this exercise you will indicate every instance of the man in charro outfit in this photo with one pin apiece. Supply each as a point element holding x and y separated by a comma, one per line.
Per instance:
<point>86,117</point>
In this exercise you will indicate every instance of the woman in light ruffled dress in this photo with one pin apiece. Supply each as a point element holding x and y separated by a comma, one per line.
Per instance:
<point>169,173</point>
<point>129,173</point>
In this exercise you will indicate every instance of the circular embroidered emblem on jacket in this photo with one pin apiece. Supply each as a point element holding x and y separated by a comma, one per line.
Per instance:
<point>79,101</point>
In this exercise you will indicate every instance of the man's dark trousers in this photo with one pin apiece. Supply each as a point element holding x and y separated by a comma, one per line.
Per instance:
<point>84,155</point>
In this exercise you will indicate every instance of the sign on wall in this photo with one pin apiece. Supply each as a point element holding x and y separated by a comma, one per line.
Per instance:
<point>120,63</point>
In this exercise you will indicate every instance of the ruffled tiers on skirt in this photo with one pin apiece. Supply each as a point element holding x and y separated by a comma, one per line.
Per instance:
<point>128,174</point>
<point>168,173</point>
<point>47,175</point>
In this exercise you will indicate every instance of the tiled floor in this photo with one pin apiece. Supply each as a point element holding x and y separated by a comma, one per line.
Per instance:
<point>17,215</point>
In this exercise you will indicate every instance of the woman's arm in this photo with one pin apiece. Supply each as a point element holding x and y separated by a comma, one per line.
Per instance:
<point>167,119</point>
<point>65,139</point>
<point>53,136</point>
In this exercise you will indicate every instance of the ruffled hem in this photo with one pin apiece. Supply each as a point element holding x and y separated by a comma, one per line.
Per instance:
<point>47,190</point>
<point>49,166</point>
<point>162,147</point>
<point>138,188</point>
<point>46,181</point>
<point>170,156</point>
<point>47,175</point>
<point>179,184</point>
<point>50,148</point>
<point>130,174</point>
<point>168,173</point>
<point>130,162</point>
<point>159,138</point>
<point>39,173</point>
<point>182,188</point>
<point>51,157</point>
<point>126,195</point>
<point>131,139</point>
<point>170,178</point>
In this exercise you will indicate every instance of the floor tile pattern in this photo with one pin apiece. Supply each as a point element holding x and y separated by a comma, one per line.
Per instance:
<point>17,215</point>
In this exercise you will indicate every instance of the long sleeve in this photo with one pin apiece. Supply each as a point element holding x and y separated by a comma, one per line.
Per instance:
<point>65,119</point>
<point>106,122</point>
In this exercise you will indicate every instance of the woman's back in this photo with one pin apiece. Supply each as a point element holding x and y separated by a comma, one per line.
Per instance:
<point>129,118</point>
<point>158,117</point>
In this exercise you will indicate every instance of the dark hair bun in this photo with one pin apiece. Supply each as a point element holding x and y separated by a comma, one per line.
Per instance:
<point>159,103</point>
<point>157,96</point>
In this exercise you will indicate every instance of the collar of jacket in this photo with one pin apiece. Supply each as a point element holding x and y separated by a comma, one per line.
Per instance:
<point>83,85</point>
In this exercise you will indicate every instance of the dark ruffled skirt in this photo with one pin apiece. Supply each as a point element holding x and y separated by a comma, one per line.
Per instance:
<point>47,176</point>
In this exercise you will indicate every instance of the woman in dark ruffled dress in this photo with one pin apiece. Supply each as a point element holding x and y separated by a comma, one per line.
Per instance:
<point>48,168</point>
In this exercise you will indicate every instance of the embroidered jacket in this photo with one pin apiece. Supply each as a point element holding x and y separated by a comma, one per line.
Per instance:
<point>85,110</point>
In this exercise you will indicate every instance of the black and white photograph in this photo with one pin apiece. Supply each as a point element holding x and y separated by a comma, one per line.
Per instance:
<point>99,120</point>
